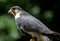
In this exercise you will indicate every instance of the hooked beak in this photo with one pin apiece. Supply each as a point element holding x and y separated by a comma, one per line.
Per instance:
<point>11,11</point>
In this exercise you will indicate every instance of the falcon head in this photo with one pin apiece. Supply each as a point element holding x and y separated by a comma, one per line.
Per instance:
<point>14,10</point>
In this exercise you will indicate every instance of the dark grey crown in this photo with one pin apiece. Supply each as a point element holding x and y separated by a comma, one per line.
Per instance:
<point>16,7</point>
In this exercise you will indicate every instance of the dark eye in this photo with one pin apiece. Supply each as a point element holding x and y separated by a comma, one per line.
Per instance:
<point>14,8</point>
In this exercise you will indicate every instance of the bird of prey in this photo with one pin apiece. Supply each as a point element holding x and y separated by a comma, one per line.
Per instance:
<point>31,25</point>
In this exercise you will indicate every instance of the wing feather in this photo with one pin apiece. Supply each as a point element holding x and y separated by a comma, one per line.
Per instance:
<point>30,23</point>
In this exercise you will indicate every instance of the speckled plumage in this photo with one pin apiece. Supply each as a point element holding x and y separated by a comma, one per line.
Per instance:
<point>29,24</point>
<point>32,25</point>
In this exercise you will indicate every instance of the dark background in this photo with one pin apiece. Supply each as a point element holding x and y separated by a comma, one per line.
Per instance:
<point>48,11</point>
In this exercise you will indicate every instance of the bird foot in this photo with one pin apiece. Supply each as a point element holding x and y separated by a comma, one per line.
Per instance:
<point>32,40</point>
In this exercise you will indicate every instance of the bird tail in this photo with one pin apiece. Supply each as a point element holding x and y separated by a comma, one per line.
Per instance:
<point>53,36</point>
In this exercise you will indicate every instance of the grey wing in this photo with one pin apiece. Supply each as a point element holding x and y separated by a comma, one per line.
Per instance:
<point>29,23</point>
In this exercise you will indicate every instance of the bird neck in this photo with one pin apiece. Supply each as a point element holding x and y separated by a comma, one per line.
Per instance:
<point>17,15</point>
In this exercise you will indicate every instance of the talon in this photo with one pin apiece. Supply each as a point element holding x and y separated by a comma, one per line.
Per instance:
<point>32,40</point>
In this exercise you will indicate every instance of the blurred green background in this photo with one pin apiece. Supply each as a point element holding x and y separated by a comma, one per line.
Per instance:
<point>48,11</point>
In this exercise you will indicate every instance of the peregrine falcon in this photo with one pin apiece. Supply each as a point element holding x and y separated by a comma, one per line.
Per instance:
<point>31,25</point>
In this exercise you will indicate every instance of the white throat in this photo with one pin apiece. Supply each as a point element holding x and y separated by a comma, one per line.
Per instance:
<point>18,15</point>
